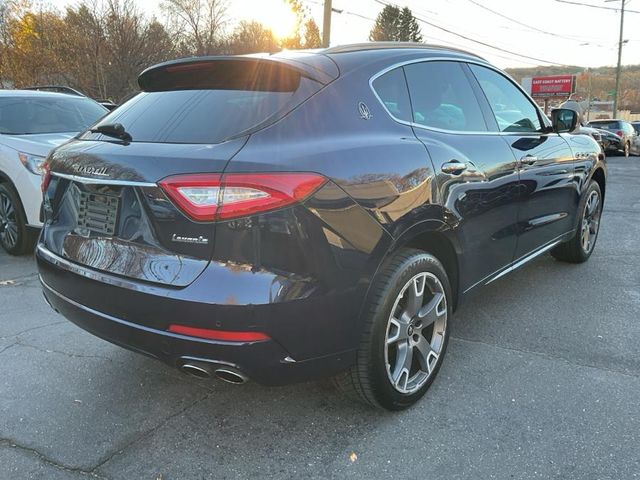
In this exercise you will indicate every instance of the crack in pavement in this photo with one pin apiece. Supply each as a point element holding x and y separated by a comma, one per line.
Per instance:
<point>17,279</point>
<point>8,347</point>
<point>67,354</point>
<point>546,356</point>
<point>13,335</point>
<point>8,442</point>
<point>147,434</point>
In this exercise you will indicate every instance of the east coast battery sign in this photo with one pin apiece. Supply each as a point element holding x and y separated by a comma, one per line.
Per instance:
<point>554,86</point>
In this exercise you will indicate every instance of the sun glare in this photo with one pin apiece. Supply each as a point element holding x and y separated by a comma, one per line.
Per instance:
<point>277,16</point>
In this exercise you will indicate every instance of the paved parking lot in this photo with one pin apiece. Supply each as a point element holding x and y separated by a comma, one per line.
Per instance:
<point>542,380</point>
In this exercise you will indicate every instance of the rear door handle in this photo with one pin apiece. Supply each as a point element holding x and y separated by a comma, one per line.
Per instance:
<point>453,167</point>
<point>528,160</point>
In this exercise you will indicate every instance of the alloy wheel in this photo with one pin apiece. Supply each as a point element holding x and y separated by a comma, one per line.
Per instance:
<point>590,222</point>
<point>8,222</point>
<point>415,333</point>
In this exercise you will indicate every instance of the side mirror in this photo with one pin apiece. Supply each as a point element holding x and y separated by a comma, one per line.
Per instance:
<point>564,120</point>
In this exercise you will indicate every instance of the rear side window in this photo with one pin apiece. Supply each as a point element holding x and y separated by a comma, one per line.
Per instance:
<point>392,90</point>
<point>512,109</point>
<point>442,97</point>
<point>210,106</point>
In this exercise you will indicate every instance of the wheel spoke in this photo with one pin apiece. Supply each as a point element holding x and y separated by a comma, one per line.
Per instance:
<point>11,234</point>
<point>585,238</point>
<point>397,332</point>
<point>415,295</point>
<point>594,200</point>
<point>425,352</point>
<point>432,310</point>
<point>400,375</point>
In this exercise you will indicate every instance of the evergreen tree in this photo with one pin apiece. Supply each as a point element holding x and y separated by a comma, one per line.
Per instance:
<point>393,24</point>
<point>387,26</point>
<point>409,28</point>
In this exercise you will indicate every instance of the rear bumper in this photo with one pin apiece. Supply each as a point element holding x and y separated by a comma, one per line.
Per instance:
<point>81,296</point>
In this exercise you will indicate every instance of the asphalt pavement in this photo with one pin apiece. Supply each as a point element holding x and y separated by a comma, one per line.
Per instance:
<point>541,380</point>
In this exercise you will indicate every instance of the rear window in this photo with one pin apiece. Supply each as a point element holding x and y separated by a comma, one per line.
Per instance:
<point>21,115</point>
<point>606,125</point>
<point>209,106</point>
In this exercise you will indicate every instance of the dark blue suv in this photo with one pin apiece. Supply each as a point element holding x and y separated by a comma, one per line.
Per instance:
<point>302,215</point>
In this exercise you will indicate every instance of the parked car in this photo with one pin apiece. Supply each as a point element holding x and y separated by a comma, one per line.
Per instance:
<point>636,127</point>
<point>31,124</point>
<point>622,129</point>
<point>303,215</point>
<point>592,132</point>
<point>611,143</point>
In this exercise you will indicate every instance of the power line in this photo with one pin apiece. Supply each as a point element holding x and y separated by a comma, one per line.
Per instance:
<point>530,27</point>
<point>595,6</point>
<point>427,22</point>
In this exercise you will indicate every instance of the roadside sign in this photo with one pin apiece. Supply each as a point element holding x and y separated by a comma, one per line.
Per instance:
<point>553,86</point>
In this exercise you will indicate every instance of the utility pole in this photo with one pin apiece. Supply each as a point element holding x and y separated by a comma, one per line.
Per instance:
<point>326,24</point>
<point>619,68</point>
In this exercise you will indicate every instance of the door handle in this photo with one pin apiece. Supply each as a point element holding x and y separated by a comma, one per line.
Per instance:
<point>453,167</point>
<point>528,160</point>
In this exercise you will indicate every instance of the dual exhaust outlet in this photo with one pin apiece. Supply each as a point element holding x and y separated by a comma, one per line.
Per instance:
<point>222,372</point>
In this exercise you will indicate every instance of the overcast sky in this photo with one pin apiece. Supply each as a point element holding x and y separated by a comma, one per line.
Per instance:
<point>574,34</point>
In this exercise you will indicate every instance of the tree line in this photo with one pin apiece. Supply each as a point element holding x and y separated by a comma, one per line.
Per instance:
<point>100,46</point>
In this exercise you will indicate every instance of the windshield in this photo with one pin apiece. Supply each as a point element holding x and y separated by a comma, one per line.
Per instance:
<point>35,115</point>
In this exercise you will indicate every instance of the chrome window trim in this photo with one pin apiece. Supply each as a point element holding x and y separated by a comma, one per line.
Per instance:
<point>454,132</point>
<point>102,181</point>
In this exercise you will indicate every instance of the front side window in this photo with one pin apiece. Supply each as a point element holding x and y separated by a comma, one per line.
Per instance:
<point>392,90</point>
<point>442,97</point>
<point>512,109</point>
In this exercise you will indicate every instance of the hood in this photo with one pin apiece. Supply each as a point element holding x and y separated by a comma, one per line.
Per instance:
<point>37,144</point>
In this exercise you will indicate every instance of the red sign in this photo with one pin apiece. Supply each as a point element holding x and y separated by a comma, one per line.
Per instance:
<point>555,86</point>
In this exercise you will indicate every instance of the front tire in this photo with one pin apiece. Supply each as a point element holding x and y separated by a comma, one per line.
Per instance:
<point>406,330</point>
<point>15,236</point>
<point>581,245</point>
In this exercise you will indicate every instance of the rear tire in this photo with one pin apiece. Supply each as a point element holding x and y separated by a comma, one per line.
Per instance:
<point>405,333</point>
<point>582,244</point>
<point>16,237</point>
<point>627,149</point>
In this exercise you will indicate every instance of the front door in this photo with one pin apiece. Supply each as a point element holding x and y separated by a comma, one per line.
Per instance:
<point>545,161</point>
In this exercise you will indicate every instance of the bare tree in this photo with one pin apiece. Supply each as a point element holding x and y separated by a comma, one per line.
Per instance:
<point>252,37</point>
<point>198,24</point>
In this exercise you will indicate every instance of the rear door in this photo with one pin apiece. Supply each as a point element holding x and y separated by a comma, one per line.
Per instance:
<point>104,207</point>
<point>545,162</point>
<point>477,175</point>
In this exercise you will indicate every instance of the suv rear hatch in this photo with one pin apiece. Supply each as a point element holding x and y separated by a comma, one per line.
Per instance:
<point>104,207</point>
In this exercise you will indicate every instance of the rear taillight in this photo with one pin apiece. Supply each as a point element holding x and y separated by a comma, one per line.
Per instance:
<point>219,334</point>
<point>46,176</point>
<point>619,133</point>
<point>208,197</point>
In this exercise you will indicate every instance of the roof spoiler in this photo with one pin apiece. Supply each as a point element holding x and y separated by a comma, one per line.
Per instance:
<point>218,71</point>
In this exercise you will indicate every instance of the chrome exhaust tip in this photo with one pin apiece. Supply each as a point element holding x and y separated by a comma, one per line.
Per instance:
<point>230,375</point>
<point>195,370</point>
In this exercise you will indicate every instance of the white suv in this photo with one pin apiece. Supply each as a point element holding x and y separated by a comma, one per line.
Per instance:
<point>31,124</point>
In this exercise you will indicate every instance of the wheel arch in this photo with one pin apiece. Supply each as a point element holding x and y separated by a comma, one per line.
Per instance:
<point>599,177</point>
<point>436,238</point>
